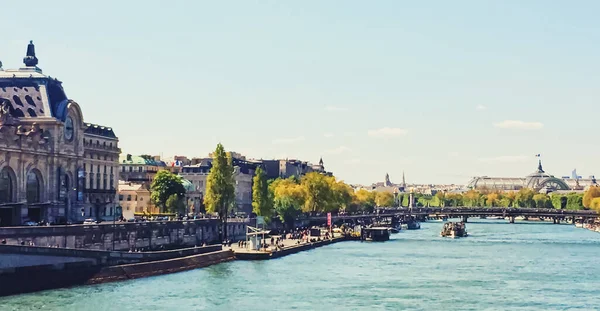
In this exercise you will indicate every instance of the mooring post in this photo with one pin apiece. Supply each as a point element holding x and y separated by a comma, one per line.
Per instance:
<point>511,219</point>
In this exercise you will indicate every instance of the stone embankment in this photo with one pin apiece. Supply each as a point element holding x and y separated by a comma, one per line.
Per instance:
<point>83,267</point>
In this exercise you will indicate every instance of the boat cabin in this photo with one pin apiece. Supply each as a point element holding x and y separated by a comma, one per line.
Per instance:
<point>375,234</point>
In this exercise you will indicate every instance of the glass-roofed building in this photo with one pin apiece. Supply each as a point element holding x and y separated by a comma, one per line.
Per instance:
<point>539,180</point>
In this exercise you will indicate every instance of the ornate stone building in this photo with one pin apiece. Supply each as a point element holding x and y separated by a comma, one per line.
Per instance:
<point>42,164</point>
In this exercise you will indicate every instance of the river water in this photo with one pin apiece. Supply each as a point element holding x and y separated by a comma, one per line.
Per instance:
<point>500,266</point>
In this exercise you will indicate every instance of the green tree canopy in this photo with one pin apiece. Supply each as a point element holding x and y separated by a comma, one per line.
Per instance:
<point>540,200</point>
<point>365,199</point>
<point>317,192</point>
<point>384,199</point>
<point>524,198</point>
<point>165,185</point>
<point>261,203</point>
<point>175,204</point>
<point>220,189</point>
<point>288,199</point>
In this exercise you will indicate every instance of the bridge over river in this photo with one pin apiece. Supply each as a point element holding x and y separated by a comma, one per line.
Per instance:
<point>557,215</point>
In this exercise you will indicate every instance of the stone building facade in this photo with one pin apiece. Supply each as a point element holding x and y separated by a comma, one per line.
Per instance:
<point>42,176</point>
<point>100,171</point>
<point>140,169</point>
<point>243,174</point>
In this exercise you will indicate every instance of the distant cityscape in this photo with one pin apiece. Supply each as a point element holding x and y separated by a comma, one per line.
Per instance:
<point>57,168</point>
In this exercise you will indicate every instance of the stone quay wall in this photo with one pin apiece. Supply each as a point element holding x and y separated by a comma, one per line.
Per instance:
<point>125,236</point>
<point>13,256</point>
<point>19,280</point>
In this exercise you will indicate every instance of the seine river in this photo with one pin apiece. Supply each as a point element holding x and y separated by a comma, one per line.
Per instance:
<point>536,266</point>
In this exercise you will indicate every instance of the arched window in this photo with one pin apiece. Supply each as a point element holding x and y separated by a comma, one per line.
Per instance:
<point>33,187</point>
<point>6,185</point>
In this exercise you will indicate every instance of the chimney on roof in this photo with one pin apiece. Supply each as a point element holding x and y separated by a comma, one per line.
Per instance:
<point>128,157</point>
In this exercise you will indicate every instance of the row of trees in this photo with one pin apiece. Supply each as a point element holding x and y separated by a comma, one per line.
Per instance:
<point>319,193</point>
<point>523,198</point>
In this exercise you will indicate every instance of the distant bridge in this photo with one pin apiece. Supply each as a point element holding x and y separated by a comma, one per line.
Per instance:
<point>557,215</point>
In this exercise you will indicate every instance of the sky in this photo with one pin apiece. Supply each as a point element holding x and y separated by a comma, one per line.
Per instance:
<point>440,90</point>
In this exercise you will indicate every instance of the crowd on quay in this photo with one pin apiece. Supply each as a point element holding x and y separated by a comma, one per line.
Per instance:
<point>293,237</point>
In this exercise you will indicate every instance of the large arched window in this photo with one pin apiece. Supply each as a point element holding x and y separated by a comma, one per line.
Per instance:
<point>7,185</point>
<point>33,187</point>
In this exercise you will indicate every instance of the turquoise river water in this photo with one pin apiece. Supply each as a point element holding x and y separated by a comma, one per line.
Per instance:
<point>500,266</point>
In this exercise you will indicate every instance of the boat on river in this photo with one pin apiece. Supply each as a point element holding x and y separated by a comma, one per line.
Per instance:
<point>411,225</point>
<point>454,230</point>
<point>378,234</point>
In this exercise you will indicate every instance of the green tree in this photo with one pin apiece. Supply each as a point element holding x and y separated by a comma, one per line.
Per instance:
<point>592,193</point>
<point>574,201</point>
<point>471,198</point>
<point>441,196</point>
<point>366,199</point>
<point>341,194</point>
<point>220,190</point>
<point>405,200</point>
<point>317,192</point>
<point>524,198</point>
<point>175,204</point>
<point>165,185</point>
<point>510,197</point>
<point>492,199</point>
<point>288,199</point>
<point>540,200</point>
<point>384,199</point>
<point>455,199</point>
<point>261,204</point>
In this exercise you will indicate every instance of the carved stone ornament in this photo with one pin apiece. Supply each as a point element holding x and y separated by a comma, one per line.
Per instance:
<point>34,136</point>
<point>5,117</point>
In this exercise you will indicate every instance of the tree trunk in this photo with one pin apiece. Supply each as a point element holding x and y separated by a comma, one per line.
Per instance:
<point>225,226</point>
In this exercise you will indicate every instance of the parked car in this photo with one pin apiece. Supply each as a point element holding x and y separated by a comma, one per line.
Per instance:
<point>89,221</point>
<point>30,223</point>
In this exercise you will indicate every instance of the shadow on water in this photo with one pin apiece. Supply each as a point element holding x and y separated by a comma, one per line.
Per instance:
<point>220,271</point>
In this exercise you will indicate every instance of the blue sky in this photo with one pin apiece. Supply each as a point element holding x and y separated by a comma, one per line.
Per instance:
<point>442,90</point>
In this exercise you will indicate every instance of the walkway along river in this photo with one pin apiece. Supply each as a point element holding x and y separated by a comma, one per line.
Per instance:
<point>500,266</point>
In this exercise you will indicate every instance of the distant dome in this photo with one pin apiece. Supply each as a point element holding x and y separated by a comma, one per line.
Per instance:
<point>188,185</point>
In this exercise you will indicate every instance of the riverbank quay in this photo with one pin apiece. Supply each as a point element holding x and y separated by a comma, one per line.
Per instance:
<point>124,236</point>
<point>290,247</point>
<point>27,269</point>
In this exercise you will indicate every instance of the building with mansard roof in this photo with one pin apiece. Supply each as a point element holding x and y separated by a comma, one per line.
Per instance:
<point>44,142</point>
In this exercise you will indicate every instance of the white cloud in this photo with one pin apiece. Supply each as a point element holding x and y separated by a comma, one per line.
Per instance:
<point>480,107</point>
<point>387,132</point>
<point>519,125</point>
<point>506,159</point>
<point>328,135</point>
<point>338,150</point>
<point>352,161</point>
<point>290,140</point>
<point>335,108</point>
